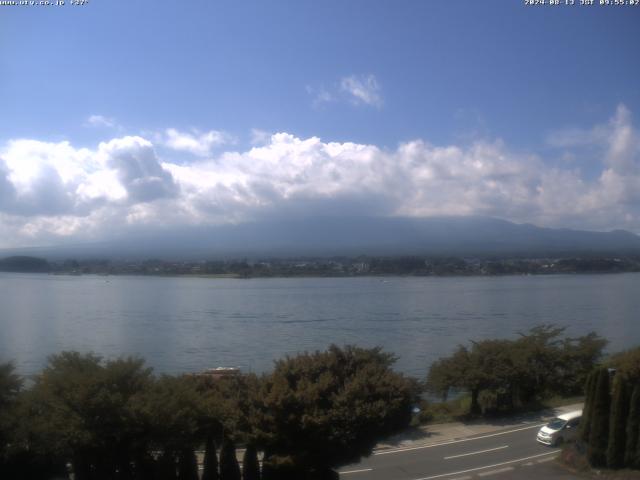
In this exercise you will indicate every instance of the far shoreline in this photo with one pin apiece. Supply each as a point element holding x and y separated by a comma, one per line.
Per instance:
<point>308,276</point>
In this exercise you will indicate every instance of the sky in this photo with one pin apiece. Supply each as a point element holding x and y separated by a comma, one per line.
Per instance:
<point>119,115</point>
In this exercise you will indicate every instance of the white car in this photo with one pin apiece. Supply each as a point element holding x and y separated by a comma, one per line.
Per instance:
<point>560,429</point>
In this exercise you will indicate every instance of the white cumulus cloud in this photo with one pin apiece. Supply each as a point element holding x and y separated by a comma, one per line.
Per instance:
<point>50,191</point>
<point>194,142</point>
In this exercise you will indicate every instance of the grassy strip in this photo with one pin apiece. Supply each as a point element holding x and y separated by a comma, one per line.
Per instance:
<point>457,410</point>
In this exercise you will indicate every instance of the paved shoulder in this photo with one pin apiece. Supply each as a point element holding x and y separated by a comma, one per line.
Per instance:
<point>458,451</point>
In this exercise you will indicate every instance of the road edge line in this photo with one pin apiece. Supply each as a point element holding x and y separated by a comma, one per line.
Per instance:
<point>431,445</point>
<point>486,466</point>
<point>477,453</point>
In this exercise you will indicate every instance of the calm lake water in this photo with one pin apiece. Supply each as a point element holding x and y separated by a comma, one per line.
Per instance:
<point>189,324</point>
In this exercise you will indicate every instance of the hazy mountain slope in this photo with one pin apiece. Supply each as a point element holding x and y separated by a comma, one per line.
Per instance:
<point>324,236</point>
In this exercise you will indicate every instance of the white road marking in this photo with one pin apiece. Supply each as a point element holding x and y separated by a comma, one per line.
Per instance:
<point>528,464</point>
<point>476,453</point>
<point>493,472</point>
<point>407,449</point>
<point>542,460</point>
<point>488,466</point>
<point>356,471</point>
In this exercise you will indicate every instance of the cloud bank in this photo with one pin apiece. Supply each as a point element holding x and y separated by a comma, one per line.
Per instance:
<point>54,191</point>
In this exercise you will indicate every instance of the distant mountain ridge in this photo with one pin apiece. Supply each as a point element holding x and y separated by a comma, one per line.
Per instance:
<point>334,236</point>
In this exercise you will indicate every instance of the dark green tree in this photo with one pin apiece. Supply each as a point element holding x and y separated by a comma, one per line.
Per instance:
<point>537,357</point>
<point>123,379</point>
<point>166,466</point>
<point>494,364</point>
<point>60,407</point>
<point>326,409</point>
<point>229,468</point>
<point>488,366</point>
<point>24,264</point>
<point>627,363</point>
<point>10,385</point>
<point>187,465</point>
<point>268,472</point>
<point>459,371</point>
<point>250,465</point>
<point>167,415</point>
<point>599,429</point>
<point>577,358</point>
<point>538,364</point>
<point>79,411</point>
<point>448,372</point>
<point>589,393</point>
<point>632,449</point>
<point>618,423</point>
<point>145,465</point>
<point>210,470</point>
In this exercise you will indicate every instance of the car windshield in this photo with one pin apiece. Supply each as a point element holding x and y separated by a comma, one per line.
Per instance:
<point>556,424</point>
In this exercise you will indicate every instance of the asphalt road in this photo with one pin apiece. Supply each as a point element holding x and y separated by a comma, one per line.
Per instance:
<point>498,454</point>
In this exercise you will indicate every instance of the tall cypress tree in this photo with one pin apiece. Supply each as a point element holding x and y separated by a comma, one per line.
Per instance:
<point>631,457</point>
<point>187,465</point>
<point>589,392</point>
<point>166,466</point>
<point>250,465</point>
<point>268,472</point>
<point>229,468</point>
<point>618,423</point>
<point>636,462</point>
<point>599,428</point>
<point>145,466</point>
<point>210,471</point>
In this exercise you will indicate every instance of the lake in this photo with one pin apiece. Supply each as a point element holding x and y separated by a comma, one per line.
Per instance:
<point>184,324</point>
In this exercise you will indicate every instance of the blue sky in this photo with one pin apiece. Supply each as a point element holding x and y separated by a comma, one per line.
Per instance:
<point>543,87</point>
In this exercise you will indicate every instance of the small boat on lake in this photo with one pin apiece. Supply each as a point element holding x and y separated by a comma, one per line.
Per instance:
<point>219,372</point>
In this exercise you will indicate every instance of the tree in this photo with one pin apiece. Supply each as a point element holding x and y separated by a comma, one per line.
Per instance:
<point>632,450</point>
<point>460,371</point>
<point>488,366</point>
<point>229,468</point>
<point>538,356</point>
<point>448,372</point>
<point>599,428</point>
<point>166,466</point>
<point>187,465</point>
<point>57,407</point>
<point>550,364</point>
<point>589,392</point>
<point>577,358</point>
<point>24,264</point>
<point>210,467</point>
<point>618,423</point>
<point>536,365</point>
<point>167,415</point>
<point>628,364</point>
<point>250,465</point>
<point>494,368</point>
<point>10,385</point>
<point>326,409</point>
<point>79,410</point>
